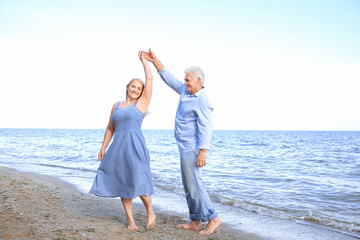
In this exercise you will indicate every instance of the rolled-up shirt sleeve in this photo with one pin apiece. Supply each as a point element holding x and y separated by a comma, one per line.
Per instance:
<point>171,81</point>
<point>204,124</point>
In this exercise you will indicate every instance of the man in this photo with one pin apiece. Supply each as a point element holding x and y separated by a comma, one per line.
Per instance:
<point>193,130</point>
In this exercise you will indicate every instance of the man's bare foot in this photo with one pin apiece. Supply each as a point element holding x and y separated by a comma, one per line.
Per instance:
<point>211,227</point>
<point>151,221</point>
<point>194,225</point>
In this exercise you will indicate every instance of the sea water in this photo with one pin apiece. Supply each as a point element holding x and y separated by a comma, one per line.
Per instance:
<point>310,177</point>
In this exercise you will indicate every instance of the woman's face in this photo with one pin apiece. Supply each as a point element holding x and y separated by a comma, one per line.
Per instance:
<point>134,89</point>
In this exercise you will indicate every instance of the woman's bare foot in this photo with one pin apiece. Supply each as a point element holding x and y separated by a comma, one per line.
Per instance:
<point>131,225</point>
<point>151,221</point>
<point>211,227</point>
<point>194,225</point>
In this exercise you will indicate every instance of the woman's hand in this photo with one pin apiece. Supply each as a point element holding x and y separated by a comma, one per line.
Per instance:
<point>141,56</point>
<point>101,155</point>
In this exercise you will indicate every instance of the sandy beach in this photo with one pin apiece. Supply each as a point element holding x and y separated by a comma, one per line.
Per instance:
<point>41,207</point>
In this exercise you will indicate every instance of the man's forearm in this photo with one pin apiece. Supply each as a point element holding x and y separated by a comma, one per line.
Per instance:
<point>158,65</point>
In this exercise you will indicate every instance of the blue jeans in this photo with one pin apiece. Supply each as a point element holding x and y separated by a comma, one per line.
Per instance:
<point>200,206</point>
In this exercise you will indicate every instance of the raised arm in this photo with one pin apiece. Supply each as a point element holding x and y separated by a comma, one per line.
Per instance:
<point>150,56</point>
<point>164,73</point>
<point>145,98</point>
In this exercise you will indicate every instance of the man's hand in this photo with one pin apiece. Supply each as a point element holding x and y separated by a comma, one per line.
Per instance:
<point>150,56</point>
<point>201,158</point>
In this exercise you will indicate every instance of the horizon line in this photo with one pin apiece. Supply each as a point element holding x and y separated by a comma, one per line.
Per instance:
<point>171,129</point>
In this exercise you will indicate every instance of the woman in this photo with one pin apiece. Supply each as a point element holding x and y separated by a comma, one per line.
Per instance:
<point>125,168</point>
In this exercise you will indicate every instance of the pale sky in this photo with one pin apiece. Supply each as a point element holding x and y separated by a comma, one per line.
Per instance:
<point>269,65</point>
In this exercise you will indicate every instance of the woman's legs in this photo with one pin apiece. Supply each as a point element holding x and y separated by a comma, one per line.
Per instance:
<point>127,203</point>
<point>151,217</point>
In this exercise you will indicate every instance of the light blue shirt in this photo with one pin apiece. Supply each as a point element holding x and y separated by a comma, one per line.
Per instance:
<point>193,122</point>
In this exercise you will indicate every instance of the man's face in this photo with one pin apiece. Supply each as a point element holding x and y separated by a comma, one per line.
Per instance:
<point>192,85</point>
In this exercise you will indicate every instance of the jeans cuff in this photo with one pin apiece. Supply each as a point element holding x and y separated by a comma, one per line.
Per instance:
<point>197,217</point>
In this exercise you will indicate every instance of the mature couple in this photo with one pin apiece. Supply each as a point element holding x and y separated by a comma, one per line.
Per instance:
<point>125,168</point>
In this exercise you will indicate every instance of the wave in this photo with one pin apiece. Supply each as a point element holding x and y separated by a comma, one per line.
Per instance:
<point>82,169</point>
<point>330,223</point>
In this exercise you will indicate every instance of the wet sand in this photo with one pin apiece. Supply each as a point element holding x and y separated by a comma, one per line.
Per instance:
<point>41,207</point>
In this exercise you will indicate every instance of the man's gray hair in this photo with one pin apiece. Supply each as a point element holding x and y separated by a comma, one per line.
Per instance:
<point>198,73</point>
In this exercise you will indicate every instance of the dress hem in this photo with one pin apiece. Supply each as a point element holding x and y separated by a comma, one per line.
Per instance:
<point>115,196</point>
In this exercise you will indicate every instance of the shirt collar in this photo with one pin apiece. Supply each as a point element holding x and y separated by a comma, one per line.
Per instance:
<point>201,91</point>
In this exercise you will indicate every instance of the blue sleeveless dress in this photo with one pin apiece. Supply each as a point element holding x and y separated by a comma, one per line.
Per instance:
<point>125,169</point>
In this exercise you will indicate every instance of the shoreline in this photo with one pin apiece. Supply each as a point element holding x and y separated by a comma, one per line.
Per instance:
<point>42,207</point>
<point>35,206</point>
